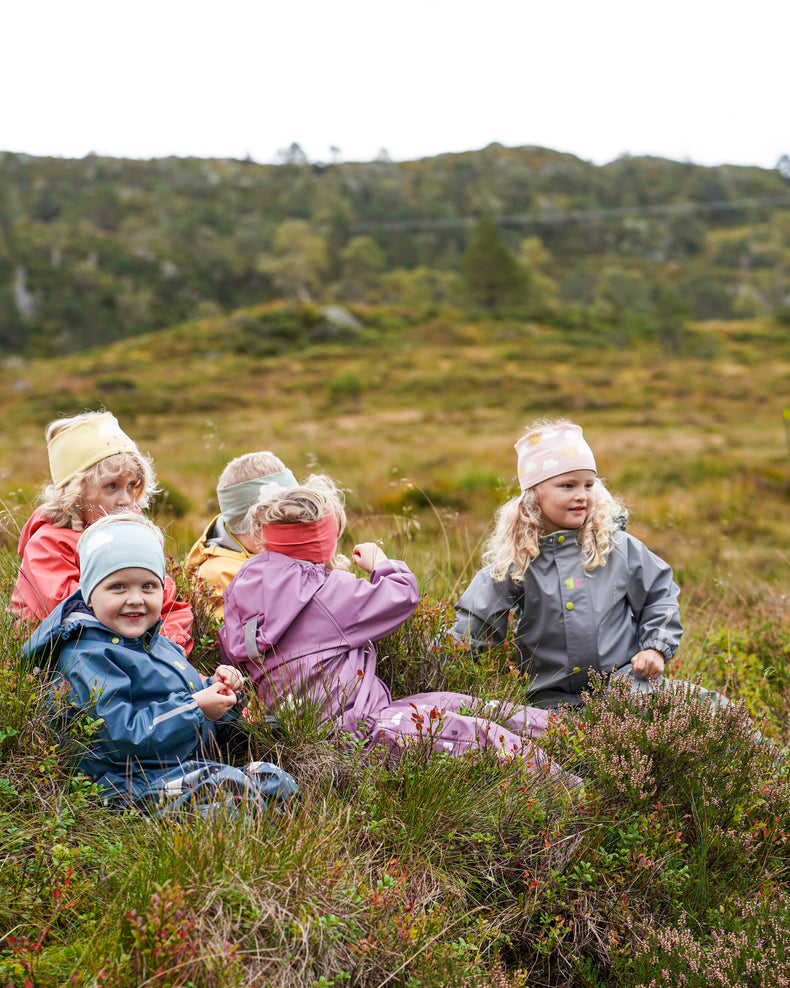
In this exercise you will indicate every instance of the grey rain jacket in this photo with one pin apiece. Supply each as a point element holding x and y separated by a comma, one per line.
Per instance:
<point>568,622</point>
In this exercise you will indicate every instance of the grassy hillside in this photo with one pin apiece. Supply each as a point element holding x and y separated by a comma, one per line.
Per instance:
<point>671,863</point>
<point>419,419</point>
<point>103,249</point>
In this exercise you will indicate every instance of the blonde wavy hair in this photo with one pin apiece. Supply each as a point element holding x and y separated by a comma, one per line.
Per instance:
<point>518,526</point>
<point>317,497</point>
<point>64,507</point>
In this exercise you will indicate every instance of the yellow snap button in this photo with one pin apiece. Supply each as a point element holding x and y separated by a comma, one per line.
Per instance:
<point>569,606</point>
<point>115,641</point>
<point>560,538</point>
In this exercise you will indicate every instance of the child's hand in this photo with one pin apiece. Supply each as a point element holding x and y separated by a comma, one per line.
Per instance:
<point>649,663</point>
<point>367,555</point>
<point>215,700</point>
<point>229,676</point>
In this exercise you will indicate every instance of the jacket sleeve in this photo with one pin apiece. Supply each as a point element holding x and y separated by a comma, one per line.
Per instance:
<point>372,610</point>
<point>484,610</point>
<point>176,618</point>
<point>101,686</point>
<point>49,573</point>
<point>653,596</point>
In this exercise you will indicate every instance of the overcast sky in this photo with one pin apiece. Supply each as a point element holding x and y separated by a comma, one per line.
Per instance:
<point>692,80</point>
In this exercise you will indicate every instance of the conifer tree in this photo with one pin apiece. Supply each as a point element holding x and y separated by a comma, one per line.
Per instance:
<point>492,275</point>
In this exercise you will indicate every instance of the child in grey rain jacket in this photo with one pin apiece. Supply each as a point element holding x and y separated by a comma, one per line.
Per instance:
<point>587,596</point>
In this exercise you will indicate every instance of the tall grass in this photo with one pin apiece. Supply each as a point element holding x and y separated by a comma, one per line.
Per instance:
<point>423,871</point>
<point>668,866</point>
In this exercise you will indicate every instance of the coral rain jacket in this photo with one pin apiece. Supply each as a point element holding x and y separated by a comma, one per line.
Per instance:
<point>50,572</point>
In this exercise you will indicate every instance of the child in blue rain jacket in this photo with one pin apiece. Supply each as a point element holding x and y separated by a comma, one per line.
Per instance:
<point>155,717</point>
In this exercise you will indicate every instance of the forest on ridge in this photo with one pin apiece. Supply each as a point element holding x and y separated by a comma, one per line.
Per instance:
<point>100,249</point>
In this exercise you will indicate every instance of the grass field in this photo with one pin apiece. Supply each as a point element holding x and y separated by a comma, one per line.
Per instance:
<point>673,858</point>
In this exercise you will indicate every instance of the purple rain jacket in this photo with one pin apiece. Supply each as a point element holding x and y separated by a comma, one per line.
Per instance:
<point>302,633</point>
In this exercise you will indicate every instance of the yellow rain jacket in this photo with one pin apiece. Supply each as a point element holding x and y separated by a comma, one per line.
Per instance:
<point>216,558</point>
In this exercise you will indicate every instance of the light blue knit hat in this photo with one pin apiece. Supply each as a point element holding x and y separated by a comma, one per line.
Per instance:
<point>106,548</point>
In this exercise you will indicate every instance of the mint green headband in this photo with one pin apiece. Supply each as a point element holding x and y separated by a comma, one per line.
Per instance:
<point>235,501</point>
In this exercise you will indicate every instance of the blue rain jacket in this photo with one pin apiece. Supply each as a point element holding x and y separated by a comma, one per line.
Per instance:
<point>140,688</point>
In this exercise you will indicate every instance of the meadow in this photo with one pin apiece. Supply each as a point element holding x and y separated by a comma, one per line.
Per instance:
<point>669,867</point>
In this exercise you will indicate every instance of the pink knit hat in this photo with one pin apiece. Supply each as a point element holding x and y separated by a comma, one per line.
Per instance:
<point>550,451</point>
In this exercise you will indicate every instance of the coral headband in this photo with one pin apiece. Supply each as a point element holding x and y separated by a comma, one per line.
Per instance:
<point>552,451</point>
<point>315,542</point>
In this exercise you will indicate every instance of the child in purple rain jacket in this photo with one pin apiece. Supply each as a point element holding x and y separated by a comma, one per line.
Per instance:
<point>304,629</point>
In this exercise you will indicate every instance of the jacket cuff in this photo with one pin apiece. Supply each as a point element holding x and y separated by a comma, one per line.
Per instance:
<point>664,647</point>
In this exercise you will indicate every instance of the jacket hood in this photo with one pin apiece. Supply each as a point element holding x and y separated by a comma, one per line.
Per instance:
<point>215,542</point>
<point>257,592</point>
<point>218,534</point>
<point>68,620</point>
<point>29,529</point>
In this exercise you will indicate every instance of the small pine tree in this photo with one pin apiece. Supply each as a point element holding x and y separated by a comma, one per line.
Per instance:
<point>492,275</point>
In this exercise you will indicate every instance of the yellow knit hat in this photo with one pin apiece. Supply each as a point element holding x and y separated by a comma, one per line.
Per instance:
<point>82,445</point>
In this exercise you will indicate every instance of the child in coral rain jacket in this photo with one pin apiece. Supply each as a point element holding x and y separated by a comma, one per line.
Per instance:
<point>96,470</point>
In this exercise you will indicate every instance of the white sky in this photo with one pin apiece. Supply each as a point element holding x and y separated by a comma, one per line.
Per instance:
<point>683,79</point>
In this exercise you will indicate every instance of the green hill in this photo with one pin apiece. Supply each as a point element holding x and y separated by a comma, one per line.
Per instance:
<point>98,249</point>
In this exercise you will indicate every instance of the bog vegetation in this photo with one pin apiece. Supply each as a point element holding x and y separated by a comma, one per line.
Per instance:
<point>671,866</point>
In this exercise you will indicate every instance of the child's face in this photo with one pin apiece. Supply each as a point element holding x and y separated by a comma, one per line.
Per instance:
<point>565,500</point>
<point>118,492</point>
<point>128,601</point>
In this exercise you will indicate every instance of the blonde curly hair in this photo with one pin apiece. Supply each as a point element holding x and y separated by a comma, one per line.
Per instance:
<point>64,507</point>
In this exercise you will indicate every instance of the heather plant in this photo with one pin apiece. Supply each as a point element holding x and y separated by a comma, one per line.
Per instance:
<point>752,950</point>
<point>705,765</point>
<point>667,865</point>
<point>421,870</point>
